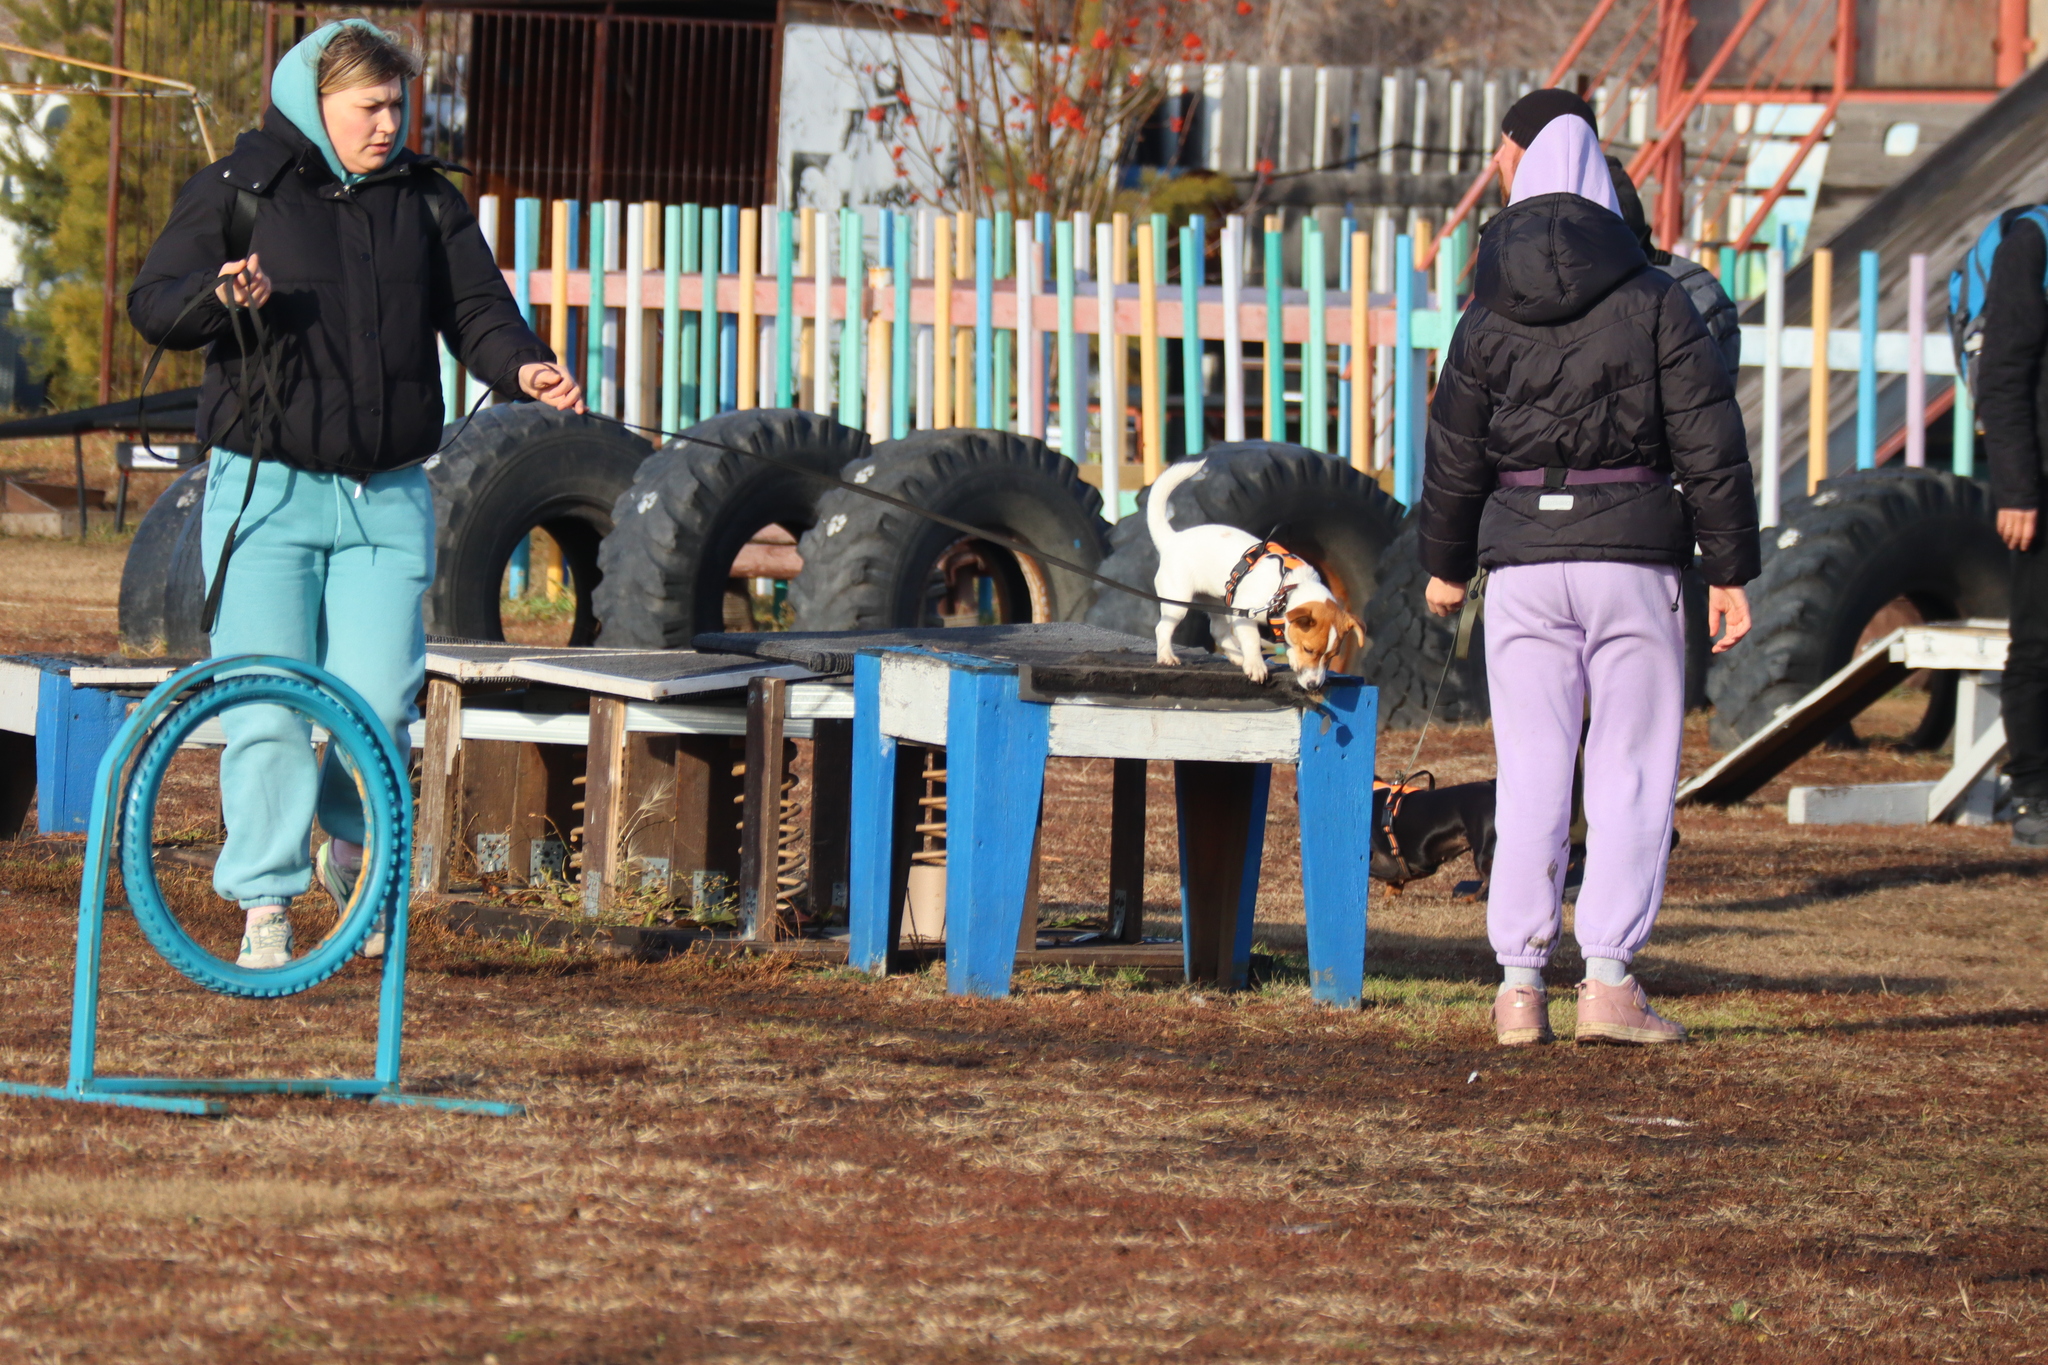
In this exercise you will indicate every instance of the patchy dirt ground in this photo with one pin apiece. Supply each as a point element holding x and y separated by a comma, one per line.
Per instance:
<point>758,1163</point>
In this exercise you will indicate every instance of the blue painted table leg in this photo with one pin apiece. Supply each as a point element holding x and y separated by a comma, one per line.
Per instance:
<point>995,776</point>
<point>1333,785</point>
<point>871,833</point>
<point>1222,816</point>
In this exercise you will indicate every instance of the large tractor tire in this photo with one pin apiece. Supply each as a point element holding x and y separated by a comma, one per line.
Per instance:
<point>163,584</point>
<point>514,468</point>
<point>1868,551</point>
<point>517,468</point>
<point>1406,659</point>
<point>668,561</point>
<point>1322,509</point>
<point>871,566</point>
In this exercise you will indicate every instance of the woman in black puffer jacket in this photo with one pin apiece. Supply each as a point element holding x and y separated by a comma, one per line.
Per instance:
<point>1580,384</point>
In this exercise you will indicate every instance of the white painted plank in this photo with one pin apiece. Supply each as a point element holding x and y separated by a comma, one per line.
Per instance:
<point>1080,729</point>
<point>1872,803</point>
<point>1970,648</point>
<point>21,687</point>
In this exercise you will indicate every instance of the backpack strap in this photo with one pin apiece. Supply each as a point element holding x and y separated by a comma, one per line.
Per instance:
<point>242,223</point>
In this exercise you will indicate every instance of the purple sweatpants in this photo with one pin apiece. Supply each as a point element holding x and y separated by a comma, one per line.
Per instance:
<point>1554,632</point>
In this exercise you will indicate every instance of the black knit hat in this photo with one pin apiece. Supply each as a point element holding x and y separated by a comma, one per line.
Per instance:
<point>1533,112</point>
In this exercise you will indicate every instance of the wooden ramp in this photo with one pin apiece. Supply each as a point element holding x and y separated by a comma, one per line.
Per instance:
<point>1802,727</point>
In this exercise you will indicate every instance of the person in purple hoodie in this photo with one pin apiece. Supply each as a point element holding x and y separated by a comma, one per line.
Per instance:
<point>1583,438</point>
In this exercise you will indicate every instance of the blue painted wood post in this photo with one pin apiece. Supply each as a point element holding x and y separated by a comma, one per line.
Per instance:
<point>593,316</point>
<point>1193,414</point>
<point>1004,388</point>
<point>871,834</point>
<point>1407,477</point>
<point>671,318</point>
<point>1221,849</point>
<point>729,323</point>
<point>689,366</point>
<point>853,330</point>
<point>984,324</point>
<point>707,317</point>
<point>995,777</point>
<point>1275,424</point>
<point>785,309</point>
<point>903,337</point>
<point>1866,364</point>
<point>525,254</point>
<point>1073,421</point>
<point>1315,356</point>
<point>74,728</point>
<point>1333,783</point>
<point>1344,357</point>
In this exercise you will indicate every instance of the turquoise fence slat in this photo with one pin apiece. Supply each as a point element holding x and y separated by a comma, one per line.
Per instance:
<point>785,309</point>
<point>902,339</point>
<point>1071,417</point>
<point>1006,338</point>
<point>707,318</point>
<point>1276,350</point>
<point>729,323</point>
<point>984,324</point>
<point>672,317</point>
<point>1191,272</point>
<point>1406,474</point>
<point>1315,356</point>
<point>690,387</point>
<point>593,316</point>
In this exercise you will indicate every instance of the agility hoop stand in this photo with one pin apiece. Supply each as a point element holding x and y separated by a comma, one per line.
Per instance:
<point>123,816</point>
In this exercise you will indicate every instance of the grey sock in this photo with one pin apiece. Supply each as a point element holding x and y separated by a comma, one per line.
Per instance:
<point>1521,976</point>
<point>1608,971</point>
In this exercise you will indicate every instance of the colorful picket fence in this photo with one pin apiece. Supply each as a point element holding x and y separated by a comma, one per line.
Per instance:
<point>897,322</point>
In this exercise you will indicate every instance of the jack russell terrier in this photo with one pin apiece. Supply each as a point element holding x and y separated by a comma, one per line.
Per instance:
<point>1254,576</point>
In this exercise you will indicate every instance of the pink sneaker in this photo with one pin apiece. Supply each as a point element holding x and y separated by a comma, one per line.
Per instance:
<point>1521,1017</point>
<point>1622,1014</point>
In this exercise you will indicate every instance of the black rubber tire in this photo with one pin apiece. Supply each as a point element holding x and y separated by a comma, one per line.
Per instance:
<point>677,530</point>
<point>867,565</point>
<point>163,588</point>
<point>515,468</point>
<point>1405,660</point>
<point>1322,509</point>
<point>1862,541</point>
<point>1409,648</point>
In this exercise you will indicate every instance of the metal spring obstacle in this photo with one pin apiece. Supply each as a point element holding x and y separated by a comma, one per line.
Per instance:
<point>124,816</point>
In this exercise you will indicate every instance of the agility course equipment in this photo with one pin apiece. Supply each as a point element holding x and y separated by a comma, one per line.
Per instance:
<point>130,774</point>
<point>1334,517</point>
<point>999,714</point>
<point>1918,543</point>
<point>869,566</point>
<point>683,525</point>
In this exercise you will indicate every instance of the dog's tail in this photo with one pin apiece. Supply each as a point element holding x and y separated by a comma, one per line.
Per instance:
<point>1157,518</point>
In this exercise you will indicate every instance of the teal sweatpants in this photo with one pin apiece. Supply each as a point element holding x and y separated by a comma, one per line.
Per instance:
<point>328,571</point>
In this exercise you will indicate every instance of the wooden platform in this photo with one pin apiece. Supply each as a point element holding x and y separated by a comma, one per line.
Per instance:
<point>1053,661</point>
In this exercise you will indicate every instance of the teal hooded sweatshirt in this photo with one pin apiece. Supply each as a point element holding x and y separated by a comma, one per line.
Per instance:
<point>295,90</point>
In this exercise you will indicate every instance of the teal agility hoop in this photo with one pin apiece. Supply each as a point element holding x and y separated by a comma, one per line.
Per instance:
<point>124,800</point>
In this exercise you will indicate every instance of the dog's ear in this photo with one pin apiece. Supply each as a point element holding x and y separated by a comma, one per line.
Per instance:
<point>1301,616</point>
<point>1352,627</point>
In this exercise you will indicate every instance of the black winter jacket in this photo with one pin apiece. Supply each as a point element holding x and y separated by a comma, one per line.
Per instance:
<point>2012,381</point>
<point>1576,354</point>
<point>362,279</point>
<point>1716,309</point>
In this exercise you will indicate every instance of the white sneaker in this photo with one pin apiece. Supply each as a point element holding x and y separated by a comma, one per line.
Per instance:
<point>340,883</point>
<point>268,942</point>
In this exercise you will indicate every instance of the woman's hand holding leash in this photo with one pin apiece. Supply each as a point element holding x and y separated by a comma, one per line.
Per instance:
<point>553,386</point>
<point>249,286</point>
<point>1729,608</point>
<point>1443,597</point>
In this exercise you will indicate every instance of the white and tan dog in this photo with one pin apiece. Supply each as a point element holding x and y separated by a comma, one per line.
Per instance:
<point>1252,576</point>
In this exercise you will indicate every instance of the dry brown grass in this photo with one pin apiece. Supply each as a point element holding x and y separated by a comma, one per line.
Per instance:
<point>752,1162</point>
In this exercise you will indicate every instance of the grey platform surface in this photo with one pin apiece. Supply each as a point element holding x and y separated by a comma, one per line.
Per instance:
<point>636,674</point>
<point>1060,659</point>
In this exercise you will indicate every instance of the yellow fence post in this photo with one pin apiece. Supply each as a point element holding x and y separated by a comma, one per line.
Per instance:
<point>749,339</point>
<point>558,285</point>
<point>942,321</point>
